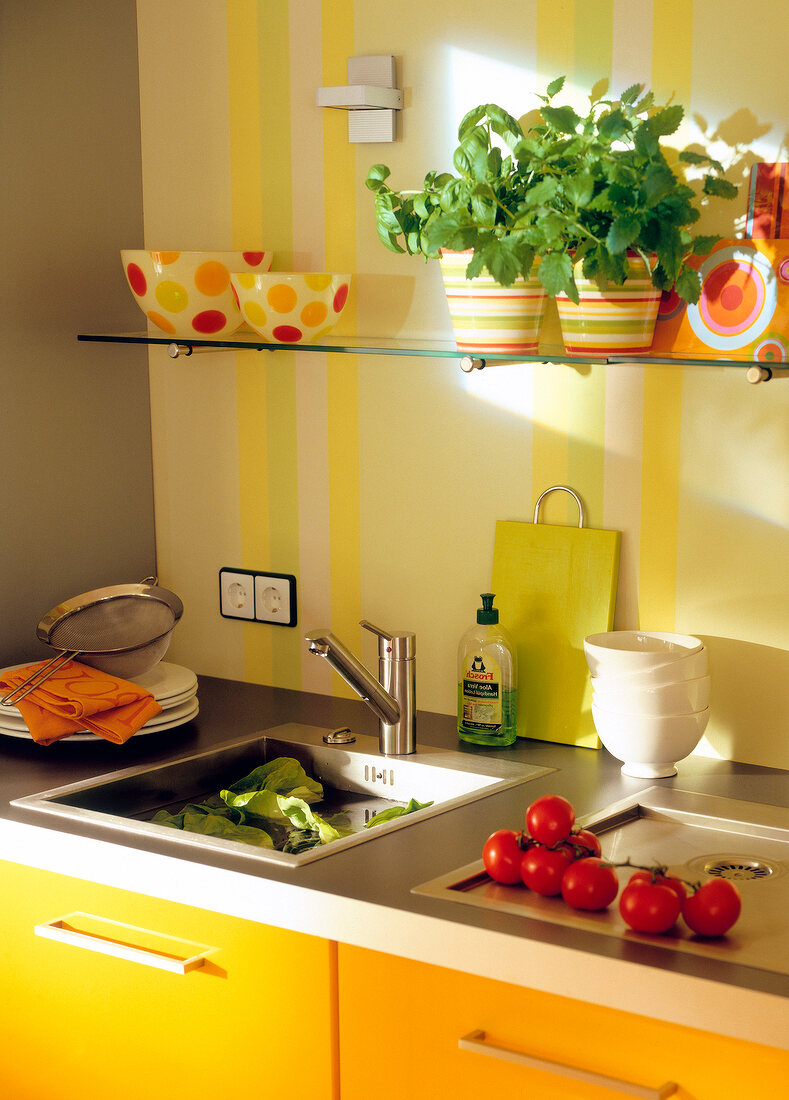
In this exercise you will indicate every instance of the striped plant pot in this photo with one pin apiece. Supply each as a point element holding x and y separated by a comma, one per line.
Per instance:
<point>614,321</point>
<point>487,317</point>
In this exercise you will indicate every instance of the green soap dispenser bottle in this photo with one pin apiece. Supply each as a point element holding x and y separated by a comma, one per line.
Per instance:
<point>487,681</point>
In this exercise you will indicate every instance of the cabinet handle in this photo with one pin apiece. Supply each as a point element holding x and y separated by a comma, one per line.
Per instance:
<point>476,1042</point>
<point>110,937</point>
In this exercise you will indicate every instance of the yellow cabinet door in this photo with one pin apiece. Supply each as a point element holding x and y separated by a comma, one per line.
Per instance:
<point>241,1008</point>
<point>401,1023</point>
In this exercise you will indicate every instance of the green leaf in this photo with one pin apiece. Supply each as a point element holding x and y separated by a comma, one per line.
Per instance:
<point>667,120</point>
<point>502,262</point>
<point>376,175</point>
<point>301,840</point>
<point>555,86</point>
<point>257,792</point>
<point>702,246</point>
<point>391,813</point>
<point>556,274</point>
<point>631,94</point>
<point>299,814</point>
<point>283,774</point>
<point>483,206</point>
<point>579,189</point>
<point>542,192</point>
<point>645,141</point>
<point>203,819</point>
<point>476,265</point>
<point>613,125</point>
<point>385,214</point>
<point>659,181</point>
<point>503,124</point>
<point>471,120</point>
<point>688,285</point>
<point>562,119</point>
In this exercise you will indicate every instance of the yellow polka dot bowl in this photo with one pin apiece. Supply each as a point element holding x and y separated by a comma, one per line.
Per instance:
<point>189,293</point>
<point>286,307</point>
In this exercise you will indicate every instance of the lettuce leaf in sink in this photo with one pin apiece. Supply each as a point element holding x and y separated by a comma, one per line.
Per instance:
<point>393,812</point>
<point>211,820</point>
<point>306,820</point>
<point>257,793</point>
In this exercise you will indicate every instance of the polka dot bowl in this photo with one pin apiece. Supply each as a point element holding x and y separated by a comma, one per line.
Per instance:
<point>189,293</point>
<point>287,307</point>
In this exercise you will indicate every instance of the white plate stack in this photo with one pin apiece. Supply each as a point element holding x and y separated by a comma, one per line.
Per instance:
<point>173,687</point>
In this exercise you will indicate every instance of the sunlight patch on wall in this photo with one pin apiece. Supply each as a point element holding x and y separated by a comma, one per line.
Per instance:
<point>508,385</point>
<point>476,79</point>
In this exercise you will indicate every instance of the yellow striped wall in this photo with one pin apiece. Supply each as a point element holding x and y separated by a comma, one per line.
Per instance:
<point>377,480</point>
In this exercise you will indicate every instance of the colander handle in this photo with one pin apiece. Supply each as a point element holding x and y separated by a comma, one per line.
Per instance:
<point>38,677</point>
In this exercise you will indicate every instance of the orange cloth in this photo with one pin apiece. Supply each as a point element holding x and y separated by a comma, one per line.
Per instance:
<point>77,698</point>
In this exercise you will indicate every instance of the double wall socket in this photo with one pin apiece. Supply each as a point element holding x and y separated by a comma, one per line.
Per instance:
<point>258,597</point>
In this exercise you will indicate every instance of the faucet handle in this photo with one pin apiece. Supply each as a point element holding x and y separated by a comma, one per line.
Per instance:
<point>399,645</point>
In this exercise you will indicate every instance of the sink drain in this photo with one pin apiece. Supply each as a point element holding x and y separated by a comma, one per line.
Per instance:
<point>736,867</point>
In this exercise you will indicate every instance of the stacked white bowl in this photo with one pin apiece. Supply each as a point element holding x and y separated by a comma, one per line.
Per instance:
<point>650,697</point>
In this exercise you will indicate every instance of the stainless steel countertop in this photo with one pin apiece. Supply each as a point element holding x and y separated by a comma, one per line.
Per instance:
<point>382,873</point>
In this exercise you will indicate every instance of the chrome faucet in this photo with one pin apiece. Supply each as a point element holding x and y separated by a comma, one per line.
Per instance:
<point>393,700</point>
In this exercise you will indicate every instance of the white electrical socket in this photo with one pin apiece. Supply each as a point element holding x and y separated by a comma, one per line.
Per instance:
<point>236,594</point>
<point>275,598</point>
<point>265,597</point>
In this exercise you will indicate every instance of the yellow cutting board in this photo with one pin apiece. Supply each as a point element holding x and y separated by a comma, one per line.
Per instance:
<point>554,585</point>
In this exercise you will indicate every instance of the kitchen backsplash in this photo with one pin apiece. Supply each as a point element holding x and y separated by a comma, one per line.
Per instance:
<point>378,480</point>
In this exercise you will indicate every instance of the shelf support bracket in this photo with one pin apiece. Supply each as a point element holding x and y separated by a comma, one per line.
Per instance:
<point>470,363</point>
<point>760,373</point>
<point>176,350</point>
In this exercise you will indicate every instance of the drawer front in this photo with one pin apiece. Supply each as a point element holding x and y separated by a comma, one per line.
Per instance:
<point>107,993</point>
<point>452,1034</point>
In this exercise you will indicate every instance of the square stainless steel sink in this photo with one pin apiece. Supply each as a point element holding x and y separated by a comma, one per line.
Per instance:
<point>696,836</point>
<point>357,780</point>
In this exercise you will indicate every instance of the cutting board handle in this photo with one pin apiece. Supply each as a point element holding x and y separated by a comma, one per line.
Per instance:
<point>564,489</point>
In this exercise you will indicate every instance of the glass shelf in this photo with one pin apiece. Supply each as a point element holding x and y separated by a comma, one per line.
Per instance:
<point>437,349</point>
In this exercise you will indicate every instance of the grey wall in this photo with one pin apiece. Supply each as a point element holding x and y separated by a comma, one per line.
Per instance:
<point>76,497</point>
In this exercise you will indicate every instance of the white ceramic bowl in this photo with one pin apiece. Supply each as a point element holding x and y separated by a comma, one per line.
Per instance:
<point>649,746</point>
<point>619,651</point>
<point>288,307</point>
<point>189,293</point>
<point>692,667</point>
<point>679,697</point>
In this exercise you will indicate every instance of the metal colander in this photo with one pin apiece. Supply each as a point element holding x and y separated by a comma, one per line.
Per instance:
<point>123,630</point>
<point>111,623</point>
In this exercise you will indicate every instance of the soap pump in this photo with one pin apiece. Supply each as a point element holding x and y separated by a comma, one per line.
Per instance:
<point>487,681</point>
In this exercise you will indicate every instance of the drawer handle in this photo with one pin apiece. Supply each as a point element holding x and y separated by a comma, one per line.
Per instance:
<point>476,1042</point>
<point>110,937</point>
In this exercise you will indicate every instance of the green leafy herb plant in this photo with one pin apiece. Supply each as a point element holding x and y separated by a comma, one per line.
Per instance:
<point>572,192</point>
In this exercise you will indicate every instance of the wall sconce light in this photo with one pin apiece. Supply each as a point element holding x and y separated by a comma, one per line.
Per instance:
<point>370,98</point>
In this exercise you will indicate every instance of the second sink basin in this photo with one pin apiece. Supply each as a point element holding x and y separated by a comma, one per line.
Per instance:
<point>697,837</point>
<point>357,780</point>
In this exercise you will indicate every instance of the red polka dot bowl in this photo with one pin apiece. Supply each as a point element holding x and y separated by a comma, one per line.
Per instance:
<point>189,293</point>
<point>286,307</point>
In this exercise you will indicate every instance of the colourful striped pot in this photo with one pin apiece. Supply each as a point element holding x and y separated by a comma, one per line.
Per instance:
<point>614,321</point>
<point>487,317</point>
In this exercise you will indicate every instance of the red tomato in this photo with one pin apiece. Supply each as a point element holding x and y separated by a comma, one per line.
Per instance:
<point>582,843</point>
<point>648,906</point>
<point>542,869</point>
<point>589,883</point>
<point>502,854</point>
<point>550,819</point>
<point>675,884</point>
<point>713,908</point>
